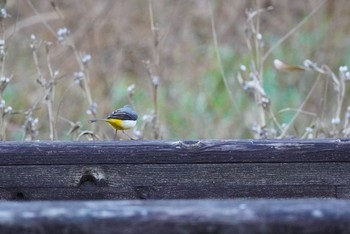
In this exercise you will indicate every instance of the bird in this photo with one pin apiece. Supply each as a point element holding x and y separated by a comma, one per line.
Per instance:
<point>121,119</point>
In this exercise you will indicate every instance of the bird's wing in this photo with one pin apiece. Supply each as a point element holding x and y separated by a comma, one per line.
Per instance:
<point>117,114</point>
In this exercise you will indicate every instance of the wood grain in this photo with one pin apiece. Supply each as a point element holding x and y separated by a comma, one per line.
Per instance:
<point>184,180</point>
<point>196,191</point>
<point>158,152</point>
<point>174,169</point>
<point>170,174</point>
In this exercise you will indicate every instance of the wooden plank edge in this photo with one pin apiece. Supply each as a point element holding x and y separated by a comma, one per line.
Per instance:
<point>177,216</point>
<point>193,151</point>
<point>175,192</point>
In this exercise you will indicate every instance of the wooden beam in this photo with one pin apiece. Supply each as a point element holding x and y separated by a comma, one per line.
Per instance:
<point>174,169</point>
<point>176,216</point>
<point>194,151</point>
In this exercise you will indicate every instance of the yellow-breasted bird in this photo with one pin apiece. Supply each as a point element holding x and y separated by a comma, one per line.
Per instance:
<point>121,119</point>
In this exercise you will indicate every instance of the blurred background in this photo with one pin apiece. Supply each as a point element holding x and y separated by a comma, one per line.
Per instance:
<point>176,62</point>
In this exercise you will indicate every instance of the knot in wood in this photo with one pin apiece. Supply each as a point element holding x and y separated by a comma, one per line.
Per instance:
<point>93,176</point>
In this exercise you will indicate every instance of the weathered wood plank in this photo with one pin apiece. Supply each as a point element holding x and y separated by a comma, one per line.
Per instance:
<point>196,191</point>
<point>196,151</point>
<point>165,181</point>
<point>179,174</point>
<point>170,216</point>
<point>174,169</point>
<point>343,192</point>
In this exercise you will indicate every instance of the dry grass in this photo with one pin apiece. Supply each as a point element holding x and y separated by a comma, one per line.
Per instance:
<point>176,62</point>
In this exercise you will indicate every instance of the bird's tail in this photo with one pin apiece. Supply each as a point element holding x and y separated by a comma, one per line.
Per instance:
<point>94,120</point>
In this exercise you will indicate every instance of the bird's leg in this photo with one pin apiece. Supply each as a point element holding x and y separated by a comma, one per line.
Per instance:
<point>128,135</point>
<point>116,135</point>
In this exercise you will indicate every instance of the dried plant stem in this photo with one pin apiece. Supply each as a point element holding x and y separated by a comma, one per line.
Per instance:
<point>155,34</point>
<point>287,109</point>
<point>48,89</point>
<point>43,20</point>
<point>293,30</point>
<point>29,122</point>
<point>31,21</point>
<point>258,98</point>
<point>340,87</point>
<point>52,123</point>
<point>86,80</point>
<point>154,75</point>
<point>2,124</point>
<point>340,97</point>
<point>286,129</point>
<point>274,119</point>
<point>2,60</point>
<point>64,95</point>
<point>218,57</point>
<point>255,46</point>
<point>70,43</point>
<point>155,101</point>
<point>50,98</point>
<point>259,66</point>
